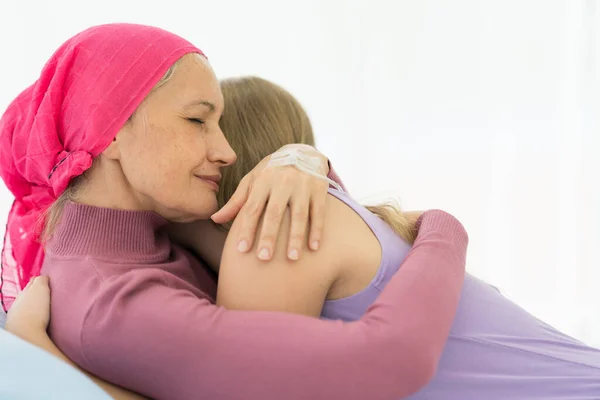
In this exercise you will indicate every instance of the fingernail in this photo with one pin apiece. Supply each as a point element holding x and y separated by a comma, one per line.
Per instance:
<point>264,254</point>
<point>243,246</point>
<point>315,245</point>
<point>293,254</point>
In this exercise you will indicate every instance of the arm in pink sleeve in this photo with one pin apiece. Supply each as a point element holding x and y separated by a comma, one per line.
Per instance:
<point>166,343</point>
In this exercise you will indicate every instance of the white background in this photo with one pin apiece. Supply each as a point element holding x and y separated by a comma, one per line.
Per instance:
<point>484,108</point>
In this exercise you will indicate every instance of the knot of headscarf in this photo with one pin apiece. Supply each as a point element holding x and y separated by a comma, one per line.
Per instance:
<point>54,129</point>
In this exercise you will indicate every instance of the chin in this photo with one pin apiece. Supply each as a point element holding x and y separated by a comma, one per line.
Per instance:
<point>202,207</point>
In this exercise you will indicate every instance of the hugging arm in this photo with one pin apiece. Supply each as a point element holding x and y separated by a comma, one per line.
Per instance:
<point>194,349</point>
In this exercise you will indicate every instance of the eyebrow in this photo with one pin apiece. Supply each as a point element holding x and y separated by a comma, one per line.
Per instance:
<point>204,103</point>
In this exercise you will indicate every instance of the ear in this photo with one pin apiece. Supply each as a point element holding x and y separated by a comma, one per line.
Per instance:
<point>113,151</point>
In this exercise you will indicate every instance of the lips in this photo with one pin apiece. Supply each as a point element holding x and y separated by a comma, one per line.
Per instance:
<point>210,180</point>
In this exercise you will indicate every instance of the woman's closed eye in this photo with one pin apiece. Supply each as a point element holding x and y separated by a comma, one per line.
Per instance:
<point>196,120</point>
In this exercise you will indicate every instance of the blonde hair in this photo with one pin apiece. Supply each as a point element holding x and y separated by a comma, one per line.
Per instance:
<point>259,118</point>
<point>51,216</point>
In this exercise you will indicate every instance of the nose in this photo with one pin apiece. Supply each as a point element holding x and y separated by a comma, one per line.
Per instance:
<point>219,150</point>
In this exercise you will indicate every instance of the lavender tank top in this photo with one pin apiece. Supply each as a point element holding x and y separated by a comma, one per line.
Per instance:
<point>393,252</point>
<point>496,350</point>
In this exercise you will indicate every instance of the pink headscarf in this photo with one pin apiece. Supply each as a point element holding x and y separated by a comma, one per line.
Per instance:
<point>53,130</point>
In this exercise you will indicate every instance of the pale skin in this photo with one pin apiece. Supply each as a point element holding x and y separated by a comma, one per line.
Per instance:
<point>346,263</point>
<point>162,159</point>
<point>167,159</point>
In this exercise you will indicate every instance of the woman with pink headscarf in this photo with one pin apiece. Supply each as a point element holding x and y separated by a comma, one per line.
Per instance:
<point>120,136</point>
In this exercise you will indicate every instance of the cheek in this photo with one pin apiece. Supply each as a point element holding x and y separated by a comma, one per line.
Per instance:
<point>160,165</point>
<point>150,161</point>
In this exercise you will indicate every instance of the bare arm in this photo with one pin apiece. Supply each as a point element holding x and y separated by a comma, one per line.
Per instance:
<point>298,287</point>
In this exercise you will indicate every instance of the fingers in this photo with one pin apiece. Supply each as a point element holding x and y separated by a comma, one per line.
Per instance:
<point>249,216</point>
<point>304,196</point>
<point>299,208</point>
<point>277,204</point>
<point>318,203</point>
<point>36,283</point>
<point>272,191</point>
<point>234,205</point>
<point>42,280</point>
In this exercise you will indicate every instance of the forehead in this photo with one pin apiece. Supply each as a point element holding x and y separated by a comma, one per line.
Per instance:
<point>193,81</point>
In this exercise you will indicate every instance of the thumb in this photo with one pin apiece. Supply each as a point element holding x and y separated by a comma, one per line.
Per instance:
<point>41,280</point>
<point>40,285</point>
<point>234,205</point>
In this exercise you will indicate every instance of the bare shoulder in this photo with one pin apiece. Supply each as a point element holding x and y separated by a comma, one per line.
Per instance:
<point>357,247</point>
<point>301,286</point>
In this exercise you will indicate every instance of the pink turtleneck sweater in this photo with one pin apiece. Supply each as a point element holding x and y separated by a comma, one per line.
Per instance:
<point>133,308</point>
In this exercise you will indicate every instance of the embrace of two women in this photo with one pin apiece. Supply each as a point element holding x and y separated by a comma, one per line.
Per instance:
<point>128,161</point>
